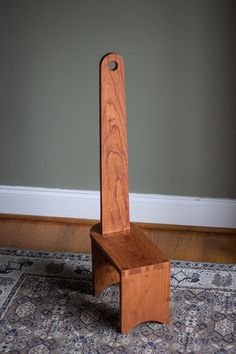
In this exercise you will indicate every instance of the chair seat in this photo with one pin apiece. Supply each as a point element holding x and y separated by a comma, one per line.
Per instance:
<point>129,251</point>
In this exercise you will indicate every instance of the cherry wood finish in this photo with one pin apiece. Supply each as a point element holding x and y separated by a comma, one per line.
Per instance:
<point>143,272</point>
<point>113,143</point>
<point>121,252</point>
<point>104,274</point>
<point>129,251</point>
<point>145,296</point>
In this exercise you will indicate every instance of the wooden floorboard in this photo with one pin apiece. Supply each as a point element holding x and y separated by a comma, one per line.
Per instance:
<point>74,237</point>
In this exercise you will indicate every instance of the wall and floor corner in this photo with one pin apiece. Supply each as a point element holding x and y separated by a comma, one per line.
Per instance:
<point>147,208</point>
<point>180,84</point>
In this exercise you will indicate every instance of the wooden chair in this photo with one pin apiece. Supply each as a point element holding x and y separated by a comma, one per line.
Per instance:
<point>121,253</point>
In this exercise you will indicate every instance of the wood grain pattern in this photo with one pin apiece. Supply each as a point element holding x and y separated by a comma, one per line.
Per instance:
<point>143,270</point>
<point>59,235</point>
<point>142,225</point>
<point>144,275</point>
<point>113,144</point>
<point>129,251</point>
<point>145,297</point>
<point>104,274</point>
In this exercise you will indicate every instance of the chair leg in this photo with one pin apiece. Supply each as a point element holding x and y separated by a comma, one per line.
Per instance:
<point>104,274</point>
<point>145,296</point>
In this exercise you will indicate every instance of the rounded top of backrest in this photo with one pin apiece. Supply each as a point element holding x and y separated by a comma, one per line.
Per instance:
<point>111,62</point>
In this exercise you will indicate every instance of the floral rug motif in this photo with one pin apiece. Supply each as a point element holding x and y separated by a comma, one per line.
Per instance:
<point>46,306</point>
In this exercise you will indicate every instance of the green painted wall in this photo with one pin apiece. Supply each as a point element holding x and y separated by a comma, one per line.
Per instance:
<point>180,59</point>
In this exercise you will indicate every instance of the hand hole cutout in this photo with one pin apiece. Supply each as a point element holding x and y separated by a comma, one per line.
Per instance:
<point>113,65</point>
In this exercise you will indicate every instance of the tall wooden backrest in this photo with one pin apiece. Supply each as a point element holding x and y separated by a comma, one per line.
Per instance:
<point>122,253</point>
<point>113,146</point>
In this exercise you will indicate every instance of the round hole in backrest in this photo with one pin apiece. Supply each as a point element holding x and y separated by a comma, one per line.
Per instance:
<point>113,65</point>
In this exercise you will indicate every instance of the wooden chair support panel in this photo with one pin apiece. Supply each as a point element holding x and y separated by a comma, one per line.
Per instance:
<point>104,273</point>
<point>120,251</point>
<point>131,259</point>
<point>145,296</point>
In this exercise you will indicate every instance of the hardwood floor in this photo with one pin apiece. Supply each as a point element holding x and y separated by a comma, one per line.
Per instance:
<point>72,236</point>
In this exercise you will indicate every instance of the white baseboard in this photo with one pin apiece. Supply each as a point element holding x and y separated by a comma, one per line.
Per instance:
<point>149,208</point>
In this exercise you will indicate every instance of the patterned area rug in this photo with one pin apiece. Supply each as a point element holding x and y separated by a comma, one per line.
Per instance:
<point>46,306</point>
